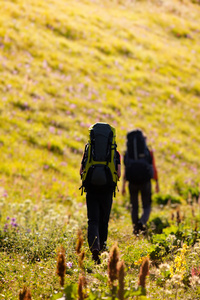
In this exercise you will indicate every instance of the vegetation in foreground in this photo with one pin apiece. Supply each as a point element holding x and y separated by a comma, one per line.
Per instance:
<point>65,65</point>
<point>33,238</point>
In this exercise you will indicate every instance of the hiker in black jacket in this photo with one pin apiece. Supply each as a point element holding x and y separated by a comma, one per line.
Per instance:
<point>140,168</point>
<point>99,202</point>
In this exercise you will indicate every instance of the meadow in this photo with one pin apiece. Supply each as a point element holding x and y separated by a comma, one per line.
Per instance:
<point>65,65</point>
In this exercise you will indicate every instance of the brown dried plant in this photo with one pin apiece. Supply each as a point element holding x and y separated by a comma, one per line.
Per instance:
<point>178,217</point>
<point>81,284</point>
<point>121,275</point>
<point>61,265</point>
<point>25,294</point>
<point>193,212</point>
<point>81,258</point>
<point>79,242</point>
<point>189,199</point>
<point>144,271</point>
<point>196,226</point>
<point>169,202</point>
<point>198,201</point>
<point>112,263</point>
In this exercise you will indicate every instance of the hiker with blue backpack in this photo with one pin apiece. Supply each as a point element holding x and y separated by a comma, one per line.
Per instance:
<point>100,170</point>
<point>140,168</point>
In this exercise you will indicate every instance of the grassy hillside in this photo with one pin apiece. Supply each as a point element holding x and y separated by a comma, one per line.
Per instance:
<point>65,65</point>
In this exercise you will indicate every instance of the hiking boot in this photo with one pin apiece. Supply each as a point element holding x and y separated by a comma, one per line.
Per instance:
<point>95,256</point>
<point>139,228</point>
<point>104,248</point>
<point>136,229</point>
<point>142,228</point>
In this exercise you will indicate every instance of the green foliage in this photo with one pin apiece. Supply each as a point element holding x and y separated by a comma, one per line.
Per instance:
<point>189,191</point>
<point>157,225</point>
<point>165,199</point>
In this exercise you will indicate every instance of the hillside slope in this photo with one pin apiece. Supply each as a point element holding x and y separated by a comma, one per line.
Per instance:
<point>68,64</point>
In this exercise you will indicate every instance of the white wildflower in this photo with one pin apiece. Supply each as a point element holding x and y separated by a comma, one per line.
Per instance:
<point>164,267</point>
<point>194,281</point>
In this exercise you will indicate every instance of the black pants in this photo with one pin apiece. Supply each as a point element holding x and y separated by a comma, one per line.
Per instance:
<point>145,190</point>
<point>98,212</point>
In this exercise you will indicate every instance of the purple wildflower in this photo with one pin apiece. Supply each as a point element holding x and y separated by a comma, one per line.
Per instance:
<point>69,264</point>
<point>5,194</point>
<point>5,227</point>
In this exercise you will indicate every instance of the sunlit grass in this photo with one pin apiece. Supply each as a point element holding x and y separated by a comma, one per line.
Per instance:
<point>64,66</point>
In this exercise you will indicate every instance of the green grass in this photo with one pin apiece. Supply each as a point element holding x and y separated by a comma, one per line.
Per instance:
<point>65,65</point>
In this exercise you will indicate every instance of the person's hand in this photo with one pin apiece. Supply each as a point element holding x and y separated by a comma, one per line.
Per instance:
<point>81,170</point>
<point>119,172</point>
<point>123,191</point>
<point>157,187</point>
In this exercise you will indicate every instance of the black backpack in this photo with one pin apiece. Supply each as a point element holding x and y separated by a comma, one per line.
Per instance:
<point>100,159</point>
<point>137,159</point>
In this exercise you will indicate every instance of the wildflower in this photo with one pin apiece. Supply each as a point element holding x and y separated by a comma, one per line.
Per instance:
<point>5,229</point>
<point>13,222</point>
<point>140,260</point>
<point>195,271</point>
<point>5,194</point>
<point>112,263</point>
<point>177,280</point>
<point>73,106</point>
<point>105,257</point>
<point>61,265</point>
<point>46,167</point>
<point>171,238</point>
<point>52,129</point>
<point>164,267</point>
<point>194,281</point>
<point>179,265</point>
<point>69,264</point>
<point>144,271</point>
<point>25,294</point>
<point>28,202</point>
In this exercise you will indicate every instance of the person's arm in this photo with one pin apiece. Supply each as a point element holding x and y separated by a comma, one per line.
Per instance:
<point>82,163</point>
<point>119,170</point>
<point>155,173</point>
<point>124,185</point>
<point>118,164</point>
<point>81,169</point>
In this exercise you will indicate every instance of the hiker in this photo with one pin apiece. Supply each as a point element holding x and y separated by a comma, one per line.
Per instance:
<point>100,170</point>
<point>140,168</point>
